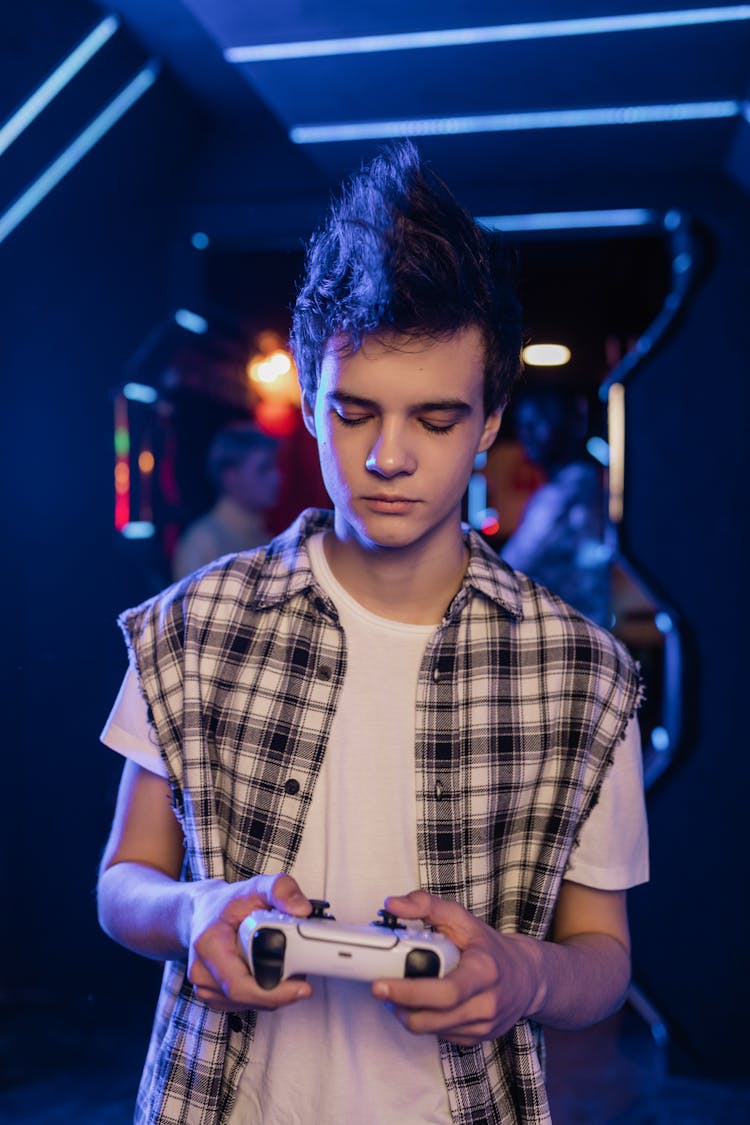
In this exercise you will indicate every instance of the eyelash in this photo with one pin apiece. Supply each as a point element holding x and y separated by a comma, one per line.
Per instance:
<point>427,425</point>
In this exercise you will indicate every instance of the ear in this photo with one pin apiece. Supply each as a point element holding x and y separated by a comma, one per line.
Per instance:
<point>489,433</point>
<point>308,415</point>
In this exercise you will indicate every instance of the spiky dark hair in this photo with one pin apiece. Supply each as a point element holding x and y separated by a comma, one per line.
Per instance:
<point>397,253</point>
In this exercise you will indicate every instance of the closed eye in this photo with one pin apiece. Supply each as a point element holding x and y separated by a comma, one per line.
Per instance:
<point>435,428</point>
<point>352,419</point>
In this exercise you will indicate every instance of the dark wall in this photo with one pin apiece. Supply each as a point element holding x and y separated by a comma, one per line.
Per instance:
<point>83,281</point>
<point>686,520</point>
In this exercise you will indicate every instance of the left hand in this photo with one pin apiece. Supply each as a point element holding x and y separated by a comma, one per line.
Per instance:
<point>496,983</point>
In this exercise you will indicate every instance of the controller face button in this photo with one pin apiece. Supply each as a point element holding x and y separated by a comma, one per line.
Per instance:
<point>268,948</point>
<point>422,963</point>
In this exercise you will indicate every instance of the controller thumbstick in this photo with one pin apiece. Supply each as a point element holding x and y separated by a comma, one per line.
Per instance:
<point>389,921</point>
<point>320,908</point>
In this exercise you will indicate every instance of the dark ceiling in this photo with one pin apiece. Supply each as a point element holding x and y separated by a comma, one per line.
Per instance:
<point>254,191</point>
<point>260,187</point>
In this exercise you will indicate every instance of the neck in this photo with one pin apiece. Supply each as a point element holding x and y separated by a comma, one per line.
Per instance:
<point>414,586</point>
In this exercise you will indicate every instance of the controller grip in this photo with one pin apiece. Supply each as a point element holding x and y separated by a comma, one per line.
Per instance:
<point>422,963</point>
<point>268,949</point>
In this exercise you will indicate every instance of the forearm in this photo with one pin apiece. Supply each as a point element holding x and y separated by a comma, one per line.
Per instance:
<point>146,910</point>
<point>580,980</point>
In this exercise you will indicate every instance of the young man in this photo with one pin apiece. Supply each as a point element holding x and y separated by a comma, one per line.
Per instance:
<point>375,709</point>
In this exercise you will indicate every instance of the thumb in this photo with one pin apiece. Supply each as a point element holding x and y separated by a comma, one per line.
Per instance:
<point>414,905</point>
<point>450,918</point>
<point>284,893</point>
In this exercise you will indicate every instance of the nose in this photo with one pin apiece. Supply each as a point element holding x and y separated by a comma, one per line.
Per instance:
<point>391,455</point>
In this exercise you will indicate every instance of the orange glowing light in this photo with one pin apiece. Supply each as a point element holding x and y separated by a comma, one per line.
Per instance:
<point>273,373</point>
<point>122,477</point>
<point>146,461</point>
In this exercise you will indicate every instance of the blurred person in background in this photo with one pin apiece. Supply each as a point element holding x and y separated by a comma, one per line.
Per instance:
<point>559,540</point>
<point>243,466</point>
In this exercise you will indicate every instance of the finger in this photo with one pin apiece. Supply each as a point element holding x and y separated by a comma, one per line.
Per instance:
<point>226,984</point>
<point>442,914</point>
<point>285,894</point>
<point>465,1035</point>
<point>414,905</point>
<point>244,998</point>
<point>476,973</point>
<point>262,892</point>
<point>441,994</point>
<point>476,1019</point>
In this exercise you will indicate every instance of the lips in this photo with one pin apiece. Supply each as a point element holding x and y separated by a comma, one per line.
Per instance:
<point>393,505</point>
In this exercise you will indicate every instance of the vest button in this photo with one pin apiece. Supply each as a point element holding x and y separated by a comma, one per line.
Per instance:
<point>436,675</point>
<point>235,1022</point>
<point>324,672</point>
<point>291,786</point>
<point>440,791</point>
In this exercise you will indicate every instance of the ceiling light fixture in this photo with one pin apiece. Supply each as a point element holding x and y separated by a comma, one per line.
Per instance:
<point>57,81</point>
<point>571,220</point>
<point>471,36</point>
<point>545,355</point>
<point>83,143</point>
<point>513,122</point>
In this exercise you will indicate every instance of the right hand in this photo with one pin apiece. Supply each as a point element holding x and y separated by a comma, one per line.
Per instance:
<point>216,968</point>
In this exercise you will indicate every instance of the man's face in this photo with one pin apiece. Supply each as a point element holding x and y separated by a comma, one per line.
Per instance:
<point>398,425</point>
<point>254,483</point>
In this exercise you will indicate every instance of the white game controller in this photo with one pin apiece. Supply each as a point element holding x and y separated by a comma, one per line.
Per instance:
<point>279,945</point>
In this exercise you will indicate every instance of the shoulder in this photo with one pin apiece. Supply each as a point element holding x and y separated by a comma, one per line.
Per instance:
<point>545,629</point>
<point>226,588</point>
<point>558,622</point>
<point>198,545</point>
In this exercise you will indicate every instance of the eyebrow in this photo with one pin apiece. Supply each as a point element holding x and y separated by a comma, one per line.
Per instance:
<point>444,405</point>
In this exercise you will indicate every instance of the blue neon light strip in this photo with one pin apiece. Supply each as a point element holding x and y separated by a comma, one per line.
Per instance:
<point>513,122</point>
<point>140,392</point>
<point>139,529</point>
<point>571,220</point>
<point>191,321</point>
<point>83,143</point>
<point>598,449</point>
<point>470,36</point>
<point>57,81</point>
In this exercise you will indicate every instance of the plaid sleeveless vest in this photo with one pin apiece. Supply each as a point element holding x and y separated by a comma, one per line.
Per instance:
<point>521,703</point>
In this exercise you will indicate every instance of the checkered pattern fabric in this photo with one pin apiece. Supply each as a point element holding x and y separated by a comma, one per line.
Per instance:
<point>521,702</point>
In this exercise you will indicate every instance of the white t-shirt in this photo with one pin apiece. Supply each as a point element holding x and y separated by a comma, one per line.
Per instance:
<point>341,1056</point>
